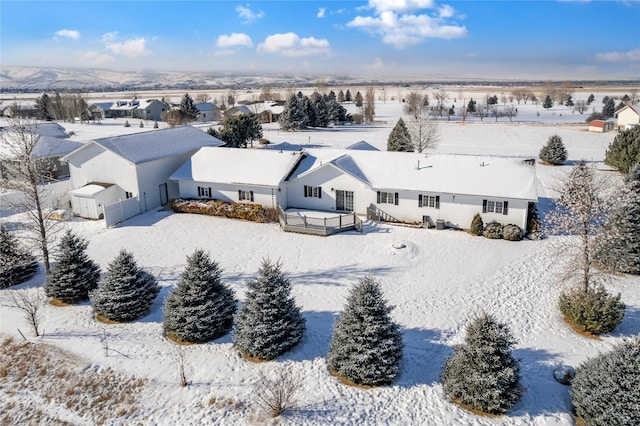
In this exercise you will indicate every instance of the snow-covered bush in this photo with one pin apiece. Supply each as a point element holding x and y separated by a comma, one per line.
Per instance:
<point>477,225</point>
<point>366,346</point>
<point>512,232</point>
<point>18,265</point>
<point>268,323</point>
<point>554,151</point>
<point>493,231</point>
<point>125,292</point>
<point>74,274</point>
<point>201,307</point>
<point>482,373</point>
<point>593,311</point>
<point>606,388</point>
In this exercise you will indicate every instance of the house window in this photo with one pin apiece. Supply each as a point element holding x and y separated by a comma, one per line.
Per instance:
<point>387,198</point>
<point>204,192</point>
<point>128,195</point>
<point>313,191</point>
<point>432,201</point>
<point>498,207</point>
<point>245,195</point>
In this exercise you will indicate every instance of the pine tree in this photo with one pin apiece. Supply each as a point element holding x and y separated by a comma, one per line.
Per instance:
<point>292,116</point>
<point>534,225</point>
<point>359,100</point>
<point>471,106</point>
<point>624,151</point>
<point>43,106</point>
<point>366,346</point>
<point>548,103</point>
<point>569,101</point>
<point>618,245</point>
<point>482,373</point>
<point>268,323</point>
<point>554,151</point>
<point>590,99</point>
<point>188,109</point>
<point>18,265</point>
<point>309,112</point>
<point>125,292</point>
<point>74,274</point>
<point>321,108</point>
<point>340,96</point>
<point>605,389</point>
<point>477,225</point>
<point>400,138</point>
<point>347,96</point>
<point>201,307</point>
<point>609,108</point>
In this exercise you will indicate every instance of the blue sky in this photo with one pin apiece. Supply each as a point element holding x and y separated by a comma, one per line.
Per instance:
<point>474,38</point>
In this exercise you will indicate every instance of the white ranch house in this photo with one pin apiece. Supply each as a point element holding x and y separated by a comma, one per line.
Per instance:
<point>111,170</point>
<point>396,186</point>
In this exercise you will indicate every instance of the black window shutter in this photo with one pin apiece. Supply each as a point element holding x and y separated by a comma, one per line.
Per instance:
<point>239,194</point>
<point>420,200</point>
<point>251,195</point>
<point>378,199</point>
<point>305,191</point>
<point>396,200</point>
<point>319,192</point>
<point>209,192</point>
<point>484,206</point>
<point>505,208</point>
<point>437,201</point>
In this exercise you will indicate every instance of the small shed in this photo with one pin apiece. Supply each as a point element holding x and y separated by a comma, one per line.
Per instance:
<point>601,126</point>
<point>89,201</point>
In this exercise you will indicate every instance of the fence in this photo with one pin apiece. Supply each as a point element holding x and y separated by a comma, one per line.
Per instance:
<point>123,210</point>
<point>318,225</point>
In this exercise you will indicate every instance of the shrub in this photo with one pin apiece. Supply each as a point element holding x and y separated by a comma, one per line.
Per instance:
<point>594,311</point>
<point>126,124</point>
<point>244,211</point>
<point>477,226</point>
<point>493,231</point>
<point>483,374</point>
<point>512,232</point>
<point>624,152</point>
<point>155,125</point>
<point>554,151</point>
<point>605,389</point>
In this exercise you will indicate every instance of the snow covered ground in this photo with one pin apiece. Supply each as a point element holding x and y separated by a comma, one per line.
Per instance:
<point>437,283</point>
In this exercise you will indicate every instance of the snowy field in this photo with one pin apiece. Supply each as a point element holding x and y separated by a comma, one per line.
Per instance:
<point>437,283</point>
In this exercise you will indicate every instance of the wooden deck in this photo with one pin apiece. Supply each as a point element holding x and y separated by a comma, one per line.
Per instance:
<point>308,223</point>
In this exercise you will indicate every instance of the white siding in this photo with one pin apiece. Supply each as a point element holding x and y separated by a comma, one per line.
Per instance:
<point>628,116</point>
<point>266,196</point>
<point>152,174</point>
<point>96,164</point>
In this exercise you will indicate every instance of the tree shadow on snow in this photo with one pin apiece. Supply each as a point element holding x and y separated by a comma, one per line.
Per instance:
<point>630,325</point>
<point>317,337</point>
<point>423,357</point>
<point>147,218</point>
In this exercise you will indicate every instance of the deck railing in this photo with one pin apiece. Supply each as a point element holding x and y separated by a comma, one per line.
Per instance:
<point>308,224</point>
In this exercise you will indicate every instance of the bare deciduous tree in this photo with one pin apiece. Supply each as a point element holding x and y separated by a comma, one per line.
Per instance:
<point>424,131</point>
<point>202,98</point>
<point>369,109</point>
<point>29,176</point>
<point>415,104</point>
<point>276,395</point>
<point>440,97</point>
<point>580,106</point>
<point>29,302</point>
<point>510,111</point>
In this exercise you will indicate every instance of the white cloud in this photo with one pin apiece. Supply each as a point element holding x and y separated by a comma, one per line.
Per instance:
<point>321,12</point>
<point>619,57</point>
<point>97,58</point>
<point>400,5</point>
<point>109,37</point>
<point>376,65</point>
<point>405,29</point>
<point>131,48</point>
<point>233,40</point>
<point>248,15</point>
<point>73,34</point>
<point>290,44</point>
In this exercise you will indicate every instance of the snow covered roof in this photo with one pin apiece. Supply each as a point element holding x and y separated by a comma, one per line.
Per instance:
<point>633,108</point>
<point>48,147</point>
<point>263,167</point>
<point>89,190</point>
<point>505,177</point>
<point>284,146</point>
<point>53,130</point>
<point>152,145</point>
<point>362,146</point>
<point>207,106</point>
<point>105,106</point>
<point>238,109</point>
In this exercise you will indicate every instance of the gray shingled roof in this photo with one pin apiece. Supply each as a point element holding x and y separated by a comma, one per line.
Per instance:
<point>53,130</point>
<point>48,147</point>
<point>155,144</point>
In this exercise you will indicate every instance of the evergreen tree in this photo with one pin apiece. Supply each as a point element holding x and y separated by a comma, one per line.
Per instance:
<point>609,109</point>
<point>201,307</point>
<point>347,96</point>
<point>482,373</point>
<point>125,292</point>
<point>554,151</point>
<point>310,113</point>
<point>534,225</point>
<point>321,108</point>
<point>400,138</point>
<point>43,107</point>
<point>74,274</point>
<point>548,103</point>
<point>337,113</point>
<point>618,246</point>
<point>471,106</point>
<point>605,389</point>
<point>188,109</point>
<point>239,130</point>
<point>331,96</point>
<point>292,116</point>
<point>624,151</point>
<point>366,346</point>
<point>569,101</point>
<point>18,265</point>
<point>268,323</point>
<point>477,225</point>
<point>340,96</point>
<point>590,99</point>
<point>359,100</point>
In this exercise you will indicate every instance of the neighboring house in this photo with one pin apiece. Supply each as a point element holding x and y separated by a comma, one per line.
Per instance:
<point>149,109</point>
<point>238,175</point>
<point>628,116</point>
<point>362,146</point>
<point>20,110</point>
<point>237,110</point>
<point>601,126</point>
<point>411,187</point>
<point>208,112</point>
<point>131,166</point>
<point>49,151</point>
<point>271,114</point>
<point>100,110</point>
